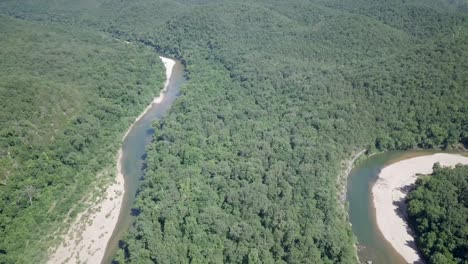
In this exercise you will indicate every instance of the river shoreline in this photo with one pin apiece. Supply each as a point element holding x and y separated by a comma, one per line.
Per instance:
<point>169,65</point>
<point>344,179</point>
<point>388,197</point>
<point>88,236</point>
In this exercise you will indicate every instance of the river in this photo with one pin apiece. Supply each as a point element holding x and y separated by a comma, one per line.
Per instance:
<point>134,153</point>
<point>371,243</point>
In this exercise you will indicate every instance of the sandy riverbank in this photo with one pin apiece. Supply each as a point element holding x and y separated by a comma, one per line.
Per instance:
<point>169,64</point>
<point>390,191</point>
<point>87,238</point>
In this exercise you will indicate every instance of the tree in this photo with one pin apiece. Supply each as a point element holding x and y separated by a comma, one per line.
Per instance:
<point>30,192</point>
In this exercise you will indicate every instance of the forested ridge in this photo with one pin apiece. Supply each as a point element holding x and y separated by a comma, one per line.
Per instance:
<point>244,168</point>
<point>67,97</point>
<point>438,211</point>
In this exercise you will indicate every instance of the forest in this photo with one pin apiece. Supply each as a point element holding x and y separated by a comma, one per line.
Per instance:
<point>438,211</point>
<point>245,167</point>
<point>66,101</point>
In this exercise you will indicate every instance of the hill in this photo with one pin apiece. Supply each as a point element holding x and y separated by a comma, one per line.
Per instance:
<point>67,97</point>
<point>245,167</point>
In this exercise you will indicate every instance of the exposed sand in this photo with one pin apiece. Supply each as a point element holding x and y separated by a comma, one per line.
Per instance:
<point>87,238</point>
<point>169,64</point>
<point>390,191</point>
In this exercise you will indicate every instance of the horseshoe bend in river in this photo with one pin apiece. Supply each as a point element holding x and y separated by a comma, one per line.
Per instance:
<point>372,245</point>
<point>134,152</point>
<point>362,214</point>
<point>361,178</point>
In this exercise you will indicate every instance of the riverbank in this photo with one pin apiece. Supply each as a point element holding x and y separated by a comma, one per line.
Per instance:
<point>87,238</point>
<point>342,187</point>
<point>169,65</point>
<point>389,192</point>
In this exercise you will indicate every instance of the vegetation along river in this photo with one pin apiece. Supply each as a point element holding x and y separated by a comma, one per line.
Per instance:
<point>372,245</point>
<point>134,152</point>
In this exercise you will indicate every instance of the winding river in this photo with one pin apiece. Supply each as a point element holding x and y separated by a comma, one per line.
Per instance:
<point>371,243</point>
<point>134,153</point>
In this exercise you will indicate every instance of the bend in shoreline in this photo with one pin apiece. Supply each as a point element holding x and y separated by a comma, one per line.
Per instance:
<point>342,180</point>
<point>389,193</point>
<point>87,238</point>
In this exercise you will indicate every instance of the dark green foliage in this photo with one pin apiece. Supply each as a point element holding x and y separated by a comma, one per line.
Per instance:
<point>244,168</point>
<point>67,96</point>
<point>438,210</point>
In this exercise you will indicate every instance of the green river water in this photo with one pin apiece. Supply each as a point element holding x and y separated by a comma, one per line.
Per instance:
<point>371,243</point>
<point>133,156</point>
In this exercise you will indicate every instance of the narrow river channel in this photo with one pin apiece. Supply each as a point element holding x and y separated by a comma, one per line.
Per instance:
<point>134,153</point>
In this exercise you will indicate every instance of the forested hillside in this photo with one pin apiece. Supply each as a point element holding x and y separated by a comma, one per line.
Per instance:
<point>67,96</point>
<point>245,174</point>
<point>438,209</point>
<point>244,168</point>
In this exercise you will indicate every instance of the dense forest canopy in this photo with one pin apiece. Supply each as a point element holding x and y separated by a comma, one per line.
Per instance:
<point>244,169</point>
<point>438,211</point>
